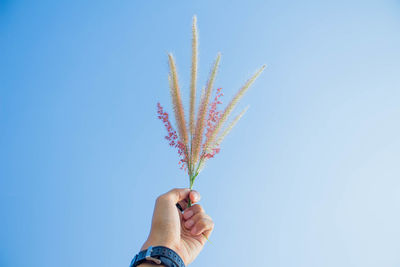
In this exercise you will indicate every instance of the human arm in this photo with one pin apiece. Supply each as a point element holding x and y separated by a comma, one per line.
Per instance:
<point>185,233</point>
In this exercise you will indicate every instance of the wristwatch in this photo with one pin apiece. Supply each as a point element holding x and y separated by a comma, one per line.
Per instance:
<point>158,255</point>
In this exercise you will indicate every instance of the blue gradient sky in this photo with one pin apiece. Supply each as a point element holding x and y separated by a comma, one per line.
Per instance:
<point>309,177</point>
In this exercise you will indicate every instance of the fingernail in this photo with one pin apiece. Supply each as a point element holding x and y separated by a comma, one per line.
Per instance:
<point>188,214</point>
<point>194,231</point>
<point>189,223</point>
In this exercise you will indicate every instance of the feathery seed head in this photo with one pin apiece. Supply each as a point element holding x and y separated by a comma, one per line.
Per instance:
<point>230,127</point>
<point>177,101</point>
<point>193,78</point>
<point>232,105</point>
<point>201,115</point>
<point>193,153</point>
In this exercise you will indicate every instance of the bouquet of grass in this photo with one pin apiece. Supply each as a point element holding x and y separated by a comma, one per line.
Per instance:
<point>201,139</point>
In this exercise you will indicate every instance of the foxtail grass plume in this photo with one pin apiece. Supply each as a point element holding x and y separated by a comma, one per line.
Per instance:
<point>193,79</point>
<point>229,128</point>
<point>201,138</point>
<point>231,106</point>
<point>177,101</point>
<point>201,116</point>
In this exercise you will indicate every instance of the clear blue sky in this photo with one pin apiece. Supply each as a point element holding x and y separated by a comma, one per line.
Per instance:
<point>309,177</point>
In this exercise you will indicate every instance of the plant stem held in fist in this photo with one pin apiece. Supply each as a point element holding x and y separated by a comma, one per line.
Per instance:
<point>184,232</point>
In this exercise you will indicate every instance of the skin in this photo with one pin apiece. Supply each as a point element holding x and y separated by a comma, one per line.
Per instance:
<point>182,232</point>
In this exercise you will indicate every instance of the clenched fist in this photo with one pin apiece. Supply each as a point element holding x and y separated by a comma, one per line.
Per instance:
<point>184,232</point>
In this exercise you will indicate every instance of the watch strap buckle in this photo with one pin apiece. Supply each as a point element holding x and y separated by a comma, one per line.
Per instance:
<point>148,256</point>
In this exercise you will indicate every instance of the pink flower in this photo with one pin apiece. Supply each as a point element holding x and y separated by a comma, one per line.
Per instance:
<point>172,137</point>
<point>213,117</point>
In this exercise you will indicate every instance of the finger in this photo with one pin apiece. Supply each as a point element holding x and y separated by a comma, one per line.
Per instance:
<point>189,212</point>
<point>176,194</point>
<point>195,218</point>
<point>194,196</point>
<point>207,233</point>
<point>205,224</point>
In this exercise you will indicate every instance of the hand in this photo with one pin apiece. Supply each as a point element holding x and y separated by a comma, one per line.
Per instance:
<point>185,233</point>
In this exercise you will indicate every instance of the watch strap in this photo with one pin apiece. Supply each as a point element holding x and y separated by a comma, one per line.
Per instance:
<point>158,255</point>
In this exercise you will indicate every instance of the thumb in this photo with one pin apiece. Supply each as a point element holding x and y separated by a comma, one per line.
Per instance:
<point>177,194</point>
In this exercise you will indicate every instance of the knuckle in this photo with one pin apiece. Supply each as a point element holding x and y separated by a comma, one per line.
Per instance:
<point>202,223</point>
<point>171,192</point>
<point>199,216</point>
<point>159,199</point>
<point>208,223</point>
<point>212,224</point>
<point>162,198</point>
<point>198,208</point>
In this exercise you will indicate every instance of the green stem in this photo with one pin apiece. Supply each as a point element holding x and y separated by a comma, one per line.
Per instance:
<point>192,178</point>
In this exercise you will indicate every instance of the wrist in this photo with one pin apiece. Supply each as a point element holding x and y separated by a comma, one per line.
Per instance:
<point>155,242</point>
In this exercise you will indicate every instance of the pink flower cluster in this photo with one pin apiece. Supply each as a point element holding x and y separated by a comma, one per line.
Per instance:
<point>172,137</point>
<point>213,117</point>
